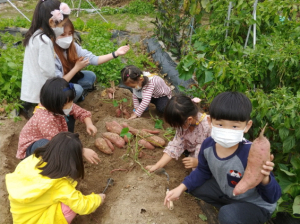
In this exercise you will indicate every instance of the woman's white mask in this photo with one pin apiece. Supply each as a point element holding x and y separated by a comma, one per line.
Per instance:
<point>65,42</point>
<point>227,137</point>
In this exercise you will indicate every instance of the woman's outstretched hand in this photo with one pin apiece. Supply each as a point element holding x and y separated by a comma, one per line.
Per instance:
<point>122,50</point>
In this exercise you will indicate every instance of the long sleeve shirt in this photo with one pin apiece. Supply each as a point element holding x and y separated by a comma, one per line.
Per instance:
<point>59,70</point>
<point>156,87</point>
<point>228,172</point>
<point>36,199</point>
<point>190,141</point>
<point>38,66</point>
<point>45,124</point>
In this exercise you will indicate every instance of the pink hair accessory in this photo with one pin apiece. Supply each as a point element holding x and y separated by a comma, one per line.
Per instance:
<point>58,15</point>
<point>196,100</point>
<point>127,75</point>
<point>64,9</point>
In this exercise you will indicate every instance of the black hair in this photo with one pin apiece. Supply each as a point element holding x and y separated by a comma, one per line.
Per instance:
<point>134,73</point>
<point>233,106</point>
<point>63,155</point>
<point>55,93</point>
<point>178,109</point>
<point>40,20</point>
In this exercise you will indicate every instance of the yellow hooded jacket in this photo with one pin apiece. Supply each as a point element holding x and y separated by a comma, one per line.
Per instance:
<point>36,199</point>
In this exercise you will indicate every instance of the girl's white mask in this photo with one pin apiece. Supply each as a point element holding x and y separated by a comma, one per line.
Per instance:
<point>58,31</point>
<point>65,42</point>
<point>227,137</point>
<point>138,88</point>
<point>68,111</point>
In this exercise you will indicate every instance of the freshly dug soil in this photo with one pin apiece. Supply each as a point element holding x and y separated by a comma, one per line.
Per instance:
<point>136,196</point>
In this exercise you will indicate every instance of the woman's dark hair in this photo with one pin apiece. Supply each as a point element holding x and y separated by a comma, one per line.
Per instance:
<point>178,109</point>
<point>134,73</point>
<point>63,155</point>
<point>233,106</point>
<point>40,20</point>
<point>69,62</point>
<point>55,93</point>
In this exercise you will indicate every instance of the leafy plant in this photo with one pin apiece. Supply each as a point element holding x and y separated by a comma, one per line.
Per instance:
<point>268,74</point>
<point>125,132</point>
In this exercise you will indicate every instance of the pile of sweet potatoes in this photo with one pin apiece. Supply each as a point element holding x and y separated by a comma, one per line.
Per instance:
<point>147,139</point>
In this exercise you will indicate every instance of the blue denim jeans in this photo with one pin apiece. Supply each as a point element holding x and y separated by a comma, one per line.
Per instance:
<point>231,211</point>
<point>39,143</point>
<point>84,83</point>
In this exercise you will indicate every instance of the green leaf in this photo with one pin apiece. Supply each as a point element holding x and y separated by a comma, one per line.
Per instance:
<point>288,144</point>
<point>125,131</point>
<point>288,173</point>
<point>124,100</point>
<point>203,217</point>
<point>208,76</point>
<point>115,103</point>
<point>271,65</point>
<point>283,133</point>
<point>158,124</point>
<point>285,181</point>
<point>295,161</point>
<point>296,205</point>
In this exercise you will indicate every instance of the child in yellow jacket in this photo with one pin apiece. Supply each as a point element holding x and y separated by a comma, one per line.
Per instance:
<point>42,188</point>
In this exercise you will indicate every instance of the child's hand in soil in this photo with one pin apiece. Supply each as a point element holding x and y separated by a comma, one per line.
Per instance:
<point>151,168</point>
<point>103,196</point>
<point>90,155</point>
<point>174,194</point>
<point>91,129</point>
<point>133,116</point>
<point>122,50</point>
<point>80,63</point>
<point>190,162</point>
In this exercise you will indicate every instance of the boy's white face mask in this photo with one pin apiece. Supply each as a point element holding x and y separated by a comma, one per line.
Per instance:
<point>65,42</point>
<point>227,137</point>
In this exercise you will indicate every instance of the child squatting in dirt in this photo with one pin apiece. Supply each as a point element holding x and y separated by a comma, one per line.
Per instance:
<point>221,164</point>
<point>50,118</point>
<point>147,88</point>
<point>192,128</point>
<point>42,187</point>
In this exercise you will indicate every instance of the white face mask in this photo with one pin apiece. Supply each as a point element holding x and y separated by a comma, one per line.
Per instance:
<point>227,137</point>
<point>138,87</point>
<point>67,111</point>
<point>58,31</point>
<point>65,42</point>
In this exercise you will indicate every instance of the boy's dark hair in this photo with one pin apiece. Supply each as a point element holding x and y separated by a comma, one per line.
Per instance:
<point>233,106</point>
<point>55,93</point>
<point>134,73</point>
<point>40,19</point>
<point>178,109</point>
<point>63,155</point>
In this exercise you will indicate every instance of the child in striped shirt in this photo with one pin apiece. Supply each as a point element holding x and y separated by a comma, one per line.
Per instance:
<point>147,88</point>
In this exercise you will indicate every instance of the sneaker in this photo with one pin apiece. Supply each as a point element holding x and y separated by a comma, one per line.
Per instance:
<point>80,99</point>
<point>27,110</point>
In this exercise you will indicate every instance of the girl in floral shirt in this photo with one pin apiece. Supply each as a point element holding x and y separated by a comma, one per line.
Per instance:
<point>192,129</point>
<point>50,118</point>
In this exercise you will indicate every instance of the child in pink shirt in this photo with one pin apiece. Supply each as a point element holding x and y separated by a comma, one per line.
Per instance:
<point>147,88</point>
<point>192,129</point>
<point>50,118</point>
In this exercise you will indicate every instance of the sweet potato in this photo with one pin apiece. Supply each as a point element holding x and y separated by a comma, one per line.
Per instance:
<point>110,95</point>
<point>151,131</point>
<point>118,112</point>
<point>258,155</point>
<point>145,144</point>
<point>114,138</point>
<point>153,139</point>
<point>101,144</point>
<point>113,127</point>
<point>126,139</point>
<point>110,145</point>
<point>126,114</point>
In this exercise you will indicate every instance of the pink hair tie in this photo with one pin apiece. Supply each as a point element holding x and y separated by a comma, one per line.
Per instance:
<point>196,100</point>
<point>127,75</point>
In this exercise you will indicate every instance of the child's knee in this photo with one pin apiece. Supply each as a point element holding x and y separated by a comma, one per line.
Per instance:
<point>226,215</point>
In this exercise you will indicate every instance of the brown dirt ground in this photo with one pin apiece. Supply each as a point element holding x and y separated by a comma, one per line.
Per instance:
<point>135,197</point>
